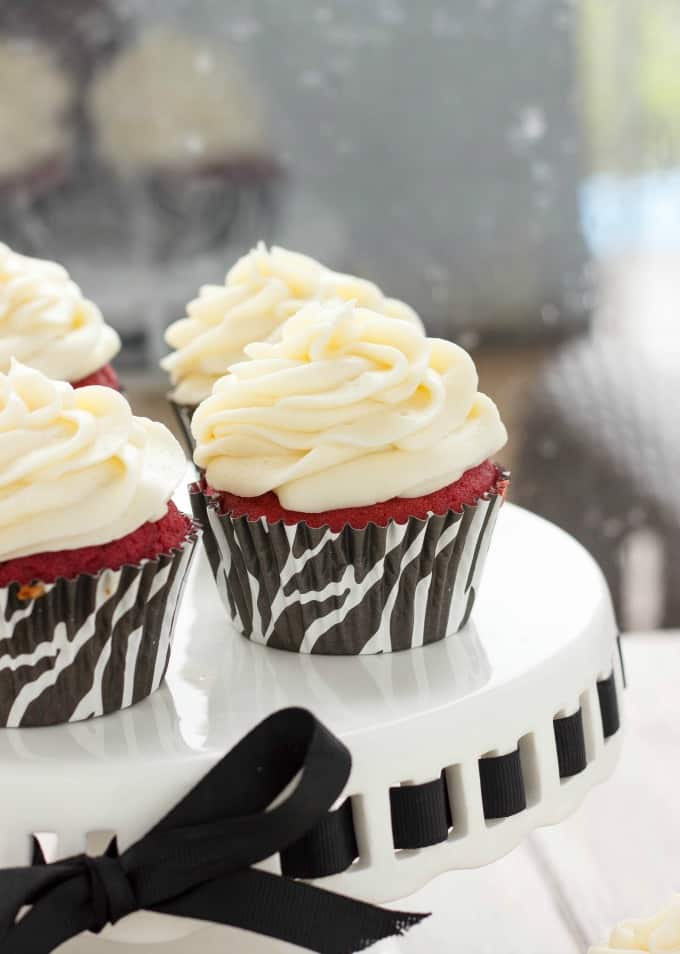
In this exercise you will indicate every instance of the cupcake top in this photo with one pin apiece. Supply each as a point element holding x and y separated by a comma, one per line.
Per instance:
<point>260,292</point>
<point>37,95</point>
<point>656,934</point>
<point>77,469</point>
<point>173,101</point>
<point>348,409</point>
<point>47,323</point>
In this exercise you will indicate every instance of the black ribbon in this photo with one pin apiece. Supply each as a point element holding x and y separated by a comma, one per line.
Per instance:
<point>197,862</point>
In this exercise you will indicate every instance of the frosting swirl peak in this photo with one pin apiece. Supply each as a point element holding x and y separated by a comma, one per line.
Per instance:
<point>47,323</point>
<point>261,291</point>
<point>76,467</point>
<point>349,408</point>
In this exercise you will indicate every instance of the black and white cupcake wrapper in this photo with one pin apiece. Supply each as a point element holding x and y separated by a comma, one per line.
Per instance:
<point>376,590</point>
<point>84,647</point>
<point>183,414</point>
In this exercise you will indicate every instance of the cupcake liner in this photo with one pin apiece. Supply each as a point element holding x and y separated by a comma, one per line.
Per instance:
<point>375,590</point>
<point>84,647</point>
<point>183,414</point>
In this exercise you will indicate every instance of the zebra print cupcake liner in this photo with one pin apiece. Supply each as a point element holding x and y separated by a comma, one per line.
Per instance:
<point>75,649</point>
<point>183,414</point>
<point>375,590</point>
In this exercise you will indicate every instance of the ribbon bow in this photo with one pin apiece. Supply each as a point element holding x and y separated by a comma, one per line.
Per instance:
<point>197,862</point>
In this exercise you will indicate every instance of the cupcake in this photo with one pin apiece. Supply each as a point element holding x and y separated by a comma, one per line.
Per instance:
<point>260,292</point>
<point>661,932</point>
<point>93,553</point>
<point>179,124</point>
<point>47,323</point>
<point>34,125</point>
<point>170,101</point>
<point>48,54</point>
<point>348,494</point>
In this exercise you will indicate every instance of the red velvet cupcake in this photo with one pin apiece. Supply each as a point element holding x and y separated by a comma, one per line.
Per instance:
<point>349,496</point>
<point>150,541</point>
<point>47,324</point>
<point>105,377</point>
<point>93,553</point>
<point>486,478</point>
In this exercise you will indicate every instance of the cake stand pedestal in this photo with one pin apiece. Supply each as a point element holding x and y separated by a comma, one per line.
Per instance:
<point>503,728</point>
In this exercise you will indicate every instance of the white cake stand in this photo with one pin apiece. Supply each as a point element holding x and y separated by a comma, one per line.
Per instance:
<point>539,657</point>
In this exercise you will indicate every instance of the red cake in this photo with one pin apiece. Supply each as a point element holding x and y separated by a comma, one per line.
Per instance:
<point>105,376</point>
<point>465,491</point>
<point>147,542</point>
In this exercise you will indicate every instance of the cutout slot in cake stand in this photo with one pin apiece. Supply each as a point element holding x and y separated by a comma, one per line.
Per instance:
<point>493,732</point>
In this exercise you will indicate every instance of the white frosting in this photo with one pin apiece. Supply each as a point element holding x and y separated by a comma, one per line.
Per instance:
<point>261,291</point>
<point>347,409</point>
<point>33,107</point>
<point>173,100</point>
<point>46,322</point>
<point>76,467</point>
<point>659,934</point>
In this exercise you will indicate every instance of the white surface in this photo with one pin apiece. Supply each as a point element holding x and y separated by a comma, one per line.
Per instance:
<point>619,856</point>
<point>543,634</point>
<point>564,887</point>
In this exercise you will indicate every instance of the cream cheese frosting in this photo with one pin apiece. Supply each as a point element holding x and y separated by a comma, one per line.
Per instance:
<point>659,934</point>
<point>260,292</point>
<point>47,323</point>
<point>76,467</point>
<point>33,107</point>
<point>348,408</point>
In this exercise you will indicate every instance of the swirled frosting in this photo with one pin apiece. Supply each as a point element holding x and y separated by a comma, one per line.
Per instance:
<point>348,408</point>
<point>659,934</point>
<point>76,467</point>
<point>47,323</point>
<point>261,291</point>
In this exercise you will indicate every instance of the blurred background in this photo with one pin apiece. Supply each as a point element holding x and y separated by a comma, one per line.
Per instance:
<point>512,170</point>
